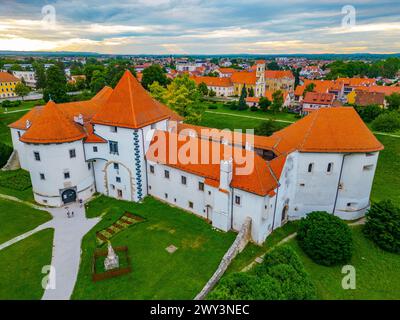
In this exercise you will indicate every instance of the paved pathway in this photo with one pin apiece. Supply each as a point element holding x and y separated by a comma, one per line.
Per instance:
<point>68,234</point>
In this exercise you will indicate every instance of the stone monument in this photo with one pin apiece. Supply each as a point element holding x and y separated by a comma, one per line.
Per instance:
<point>112,261</point>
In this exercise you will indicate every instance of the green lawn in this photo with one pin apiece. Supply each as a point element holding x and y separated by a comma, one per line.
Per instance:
<point>21,267</point>
<point>17,218</point>
<point>5,120</point>
<point>24,105</point>
<point>156,273</point>
<point>387,177</point>
<point>377,272</point>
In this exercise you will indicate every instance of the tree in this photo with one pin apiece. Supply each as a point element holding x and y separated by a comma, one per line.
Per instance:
<point>5,153</point>
<point>325,238</point>
<point>56,85</point>
<point>183,97</point>
<point>242,100</point>
<point>212,93</point>
<point>40,75</point>
<point>273,66</point>
<point>277,101</point>
<point>98,81</point>
<point>154,73</point>
<point>264,103</point>
<point>370,112</point>
<point>266,128</point>
<point>309,88</point>
<point>22,90</point>
<point>157,91</point>
<point>393,101</point>
<point>251,92</point>
<point>203,88</point>
<point>89,69</point>
<point>383,225</point>
<point>387,122</point>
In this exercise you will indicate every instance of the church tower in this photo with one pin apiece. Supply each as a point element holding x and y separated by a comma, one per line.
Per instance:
<point>260,78</point>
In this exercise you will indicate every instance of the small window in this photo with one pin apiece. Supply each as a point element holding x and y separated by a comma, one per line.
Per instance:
<point>166,174</point>
<point>152,169</point>
<point>89,166</point>
<point>42,177</point>
<point>166,195</point>
<point>113,147</point>
<point>66,175</point>
<point>19,134</point>
<point>114,129</point>
<point>237,200</point>
<point>116,166</point>
<point>190,204</point>
<point>330,167</point>
<point>95,149</point>
<point>370,154</point>
<point>153,126</point>
<point>201,186</point>
<point>368,167</point>
<point>72,153</point>
<point>113,187</point>
<point>183,179</point>
<point>118,179</point>
<point>209,193</point>
<point>37,156</point>
<point>310,167</point>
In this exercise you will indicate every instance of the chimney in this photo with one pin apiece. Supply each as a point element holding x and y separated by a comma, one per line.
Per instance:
<point>225,174</point>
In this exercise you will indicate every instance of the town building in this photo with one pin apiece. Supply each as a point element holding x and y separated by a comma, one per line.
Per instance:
<point>7,85</point>
<point>122,143</point>
<point>314,101</point>
<point>279,80</point>
<point>223,87</point>
<point>26,76</point>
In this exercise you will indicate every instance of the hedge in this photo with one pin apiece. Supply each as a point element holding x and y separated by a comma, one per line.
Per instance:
<point>5,153</point>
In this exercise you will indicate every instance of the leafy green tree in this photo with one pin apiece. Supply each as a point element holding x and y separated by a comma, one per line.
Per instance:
<point>183,97</point>
<point>264,103</point>
<point>370,112</point>
<point>277,101</point>
<point>158,92</point>
<point>308,88</point>
<point>383,225</point>
<point>325,238</point>
<point>98,81</point>
<point>56,85</point>
<point>393,101</point>
<point>22,90</point>
<point>251,92</point>
<point>203,88</point>
<point>212,93</point>
<point>40,75</point>
<point>89,69</point>
<point>387,122</point>
<point>154,73</point>
<point>266,128</point>
<point>273,66</point>
<point>242,99</point>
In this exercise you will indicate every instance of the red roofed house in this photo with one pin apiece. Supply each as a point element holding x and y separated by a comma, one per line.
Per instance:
<point>223,87</point>
<point>279,80</point>
<point>314,101</point>
<point>124,144</point>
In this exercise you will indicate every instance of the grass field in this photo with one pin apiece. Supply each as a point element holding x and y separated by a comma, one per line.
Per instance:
<point>21,267</point>
<point>377,272</point>
<point>5,120</point>
<point>24,105</point>
<point>156,273</point>
<point>17,218</point>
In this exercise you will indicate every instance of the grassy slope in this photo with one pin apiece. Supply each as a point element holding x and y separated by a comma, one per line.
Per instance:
<point>6,119</point>
<point>377,272</point>
<point>21,267</point>
<point>17,218</point>
<point>156,273</point>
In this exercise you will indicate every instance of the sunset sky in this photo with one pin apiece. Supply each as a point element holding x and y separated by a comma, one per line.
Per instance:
<point>200,26</point>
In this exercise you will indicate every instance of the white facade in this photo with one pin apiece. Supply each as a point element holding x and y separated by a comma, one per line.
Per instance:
<point>222,91</point>
<point>28,76</point>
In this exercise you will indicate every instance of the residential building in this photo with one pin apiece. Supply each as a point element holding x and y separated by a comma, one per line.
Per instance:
<point>314,101</point>
<point>7,85</point>
<point>223,87</point>
<point>27,76</point>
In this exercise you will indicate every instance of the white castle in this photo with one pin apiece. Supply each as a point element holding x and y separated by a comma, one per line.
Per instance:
<point>325,161</point>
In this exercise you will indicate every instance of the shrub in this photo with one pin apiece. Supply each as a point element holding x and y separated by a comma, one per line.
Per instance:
<point>369,113</point>
<point>212,106</point>
<point>253,108</point>
<point>387,122</point>
<point>11,104</point>
<point>5,153</point>
<point>266,128</point>
<point>325,238</point>
<point>280,276</point>
<point>15,179</point>
<point>383,226</point>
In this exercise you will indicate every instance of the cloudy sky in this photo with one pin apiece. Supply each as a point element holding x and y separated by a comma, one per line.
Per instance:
<point>201,26</point>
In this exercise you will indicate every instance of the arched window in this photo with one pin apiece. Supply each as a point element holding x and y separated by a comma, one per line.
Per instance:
<point>330,167</point>
<point>310,167</point>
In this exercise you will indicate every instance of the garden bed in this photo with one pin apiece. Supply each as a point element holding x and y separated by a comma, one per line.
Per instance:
<point>98,271</point>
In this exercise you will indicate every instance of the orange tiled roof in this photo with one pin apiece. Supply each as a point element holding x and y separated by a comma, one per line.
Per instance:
<point>319,98</point>
<point>387,90</point>
<point>227,70</point>
<point>213,81</point>
<point>130,106</point>
<point>244,77</point>
<point>7,77</point>
<point>52,126</point>
<point>354,82</point>
<point>260,179</point>
<point>269,93</point>
<point>327,130</point>
<point>277,74</point>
